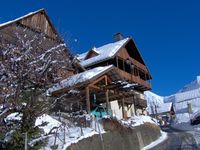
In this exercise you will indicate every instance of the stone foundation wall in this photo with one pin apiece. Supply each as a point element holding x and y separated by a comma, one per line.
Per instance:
<point>119,137</point>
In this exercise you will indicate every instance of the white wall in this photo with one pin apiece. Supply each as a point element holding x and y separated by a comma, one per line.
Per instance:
<point>118,111</point>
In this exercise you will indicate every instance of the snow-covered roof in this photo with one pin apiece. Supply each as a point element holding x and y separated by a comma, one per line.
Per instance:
<point>191,86</point>
<point>153,98</point>
<point>161,108</point>
<point>165,107</point>
<point>157,101</point>
<point>79,78</point>
<point>105,52</point>
<point>18,19</point>
<point>186,96</point>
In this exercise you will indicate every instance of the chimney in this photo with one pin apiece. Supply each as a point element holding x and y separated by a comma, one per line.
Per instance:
<point>118,37</point>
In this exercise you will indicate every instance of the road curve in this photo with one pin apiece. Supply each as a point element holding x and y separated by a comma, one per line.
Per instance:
<point>177,140</point>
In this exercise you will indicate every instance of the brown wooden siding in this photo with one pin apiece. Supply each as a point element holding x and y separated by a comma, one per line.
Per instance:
<point>124,55</point>
<point>136,79</point>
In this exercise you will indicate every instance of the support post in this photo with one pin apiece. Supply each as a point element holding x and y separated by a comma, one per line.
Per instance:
<point>117,62</point>
<point>106,94</point>
<point>123,64</point>
<point>88,99</point>
<point>107,101</point>
<point>123,111</point>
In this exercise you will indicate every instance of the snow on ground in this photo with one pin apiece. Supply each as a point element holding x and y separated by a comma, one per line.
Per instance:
<point>138,120</point>
<point>66,134</point>
<point>14,116</point>
<point>51,123</point>
<point>162,138</point>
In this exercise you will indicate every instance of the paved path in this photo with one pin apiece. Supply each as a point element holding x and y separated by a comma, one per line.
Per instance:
<point>178,140</point>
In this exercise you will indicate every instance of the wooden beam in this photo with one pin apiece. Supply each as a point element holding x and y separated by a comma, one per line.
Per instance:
<point>95,87</point>
<point>117,62</point>
<point>123,64</point>
<point>88,99</point>
<point>99,79</point>
<point>107,96</point>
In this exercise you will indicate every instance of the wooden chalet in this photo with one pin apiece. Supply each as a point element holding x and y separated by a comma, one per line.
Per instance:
<point>37,28</point>
<point>124,55</point>
<point>36,32</point>
<point>115,71</point>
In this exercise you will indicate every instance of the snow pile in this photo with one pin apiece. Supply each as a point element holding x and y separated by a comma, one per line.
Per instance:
<point>78,78</point>
<point>104,52</point>
<point>138,120</point>
<point>13,117</point>
<point>67,135</point>
<point>64,133</point>
<point>51,123</point>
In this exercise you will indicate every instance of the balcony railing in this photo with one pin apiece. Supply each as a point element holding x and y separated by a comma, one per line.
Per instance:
<point>135,79</point>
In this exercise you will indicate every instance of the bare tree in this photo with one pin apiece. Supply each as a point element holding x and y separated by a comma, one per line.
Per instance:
<point>30,62</point>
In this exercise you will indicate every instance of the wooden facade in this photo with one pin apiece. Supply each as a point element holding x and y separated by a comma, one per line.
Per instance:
<point>37,28</point>
<point>130,67</point>
<point>35,32</point>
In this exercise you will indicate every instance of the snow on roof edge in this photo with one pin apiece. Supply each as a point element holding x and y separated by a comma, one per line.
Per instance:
<point>101,57</point>
<point>20,18</point>
<point>78,78</point>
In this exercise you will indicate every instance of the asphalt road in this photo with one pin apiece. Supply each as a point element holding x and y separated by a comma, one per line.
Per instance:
<point>178,140</point>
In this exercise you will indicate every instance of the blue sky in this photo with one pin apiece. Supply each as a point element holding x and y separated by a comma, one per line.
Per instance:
<point>167,33</point>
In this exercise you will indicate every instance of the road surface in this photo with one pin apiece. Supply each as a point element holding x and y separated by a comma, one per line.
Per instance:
<point>178,140</point>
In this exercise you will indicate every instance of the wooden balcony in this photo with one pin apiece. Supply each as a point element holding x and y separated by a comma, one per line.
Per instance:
<point>138,64</point>
<point>142,84</point>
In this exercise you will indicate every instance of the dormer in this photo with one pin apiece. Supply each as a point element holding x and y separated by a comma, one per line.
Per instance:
<point>91,53</point>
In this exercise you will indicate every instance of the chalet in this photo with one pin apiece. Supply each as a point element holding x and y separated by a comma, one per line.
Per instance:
<point>115,75</point>
<point>34,33</point>
<point>36,27</point>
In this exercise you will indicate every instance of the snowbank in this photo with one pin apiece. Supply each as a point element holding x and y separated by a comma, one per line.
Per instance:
<point>51,123</point>
<point>14,116</point>
<point>138,120</point>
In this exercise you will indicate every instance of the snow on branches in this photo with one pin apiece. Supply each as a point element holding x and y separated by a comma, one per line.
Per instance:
<point>30,62</point>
